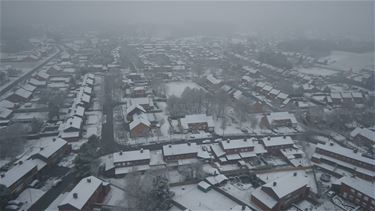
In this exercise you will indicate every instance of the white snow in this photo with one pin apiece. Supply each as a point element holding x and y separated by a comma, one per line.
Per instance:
<point>177,88</point>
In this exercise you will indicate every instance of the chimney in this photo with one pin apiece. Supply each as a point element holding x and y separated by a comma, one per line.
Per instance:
<point>268,138</point>
<point>141,150</point>
<point>89,180</point>
<point>188,143</point>
<point>41,148</point>
<point>245,140</point>
<point>228,141</point>
<point>295,174</point>
<point>2,175</point>
<point>120,152</point>
<point>274,184</point>
<point>70,123</point>
<point>170,146</point>
<point>21,162</point>
<point>54,139</point>
<point>75,195</point>
<point>284,136</point>
<point>331,143</point>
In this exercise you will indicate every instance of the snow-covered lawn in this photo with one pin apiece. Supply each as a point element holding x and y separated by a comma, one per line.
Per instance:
<point>177,88</point>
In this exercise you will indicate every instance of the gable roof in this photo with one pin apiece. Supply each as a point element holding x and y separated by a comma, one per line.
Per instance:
<point>237,143</point>
<point>84,190</point>
<point>367,133</point>
<point>16,172</point>
<point>131,155</point>
<point>287,184</point>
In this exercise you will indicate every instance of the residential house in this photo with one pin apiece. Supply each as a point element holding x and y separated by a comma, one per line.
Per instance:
<point>85,195</point>
<point>197,122</point>
<point>281,193</point>
<point>357,191</point>
<point>174,152</point>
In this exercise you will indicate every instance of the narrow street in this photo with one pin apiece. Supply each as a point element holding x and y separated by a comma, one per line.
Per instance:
<point>108,142</point>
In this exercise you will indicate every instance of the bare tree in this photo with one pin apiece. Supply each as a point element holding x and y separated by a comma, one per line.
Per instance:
<point>149,191</point>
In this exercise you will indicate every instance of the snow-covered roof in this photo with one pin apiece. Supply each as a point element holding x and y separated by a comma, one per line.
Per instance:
<point>205,185</point>
<point>5,113</point>
<point>237,144</point>
<point>6,104</point>
<point>336,95</point>
<point>346,95</point>
<point>275,92</point>
<point>83,190</point>
<point>213,80</point>
<point>51,147</point>
<point>16,172</point>
<point>287,184</point>
<point>264,198</point>
<point>133,107</point>
<point>180,149</point>
<point>260,84</point>
<point>141,101</point>
<point>29,87</point>
<point>357,95</point>
<point>78,111</point>
<point>226,88</point>
<point>36,82</point>
<point>74,122</point>
<point>277,141</point>
<point>267,88</point>
<point>346,152</point>
<point>87,90</point>
<point>143,154</point>
<point>139,119</point>
<point>196,118</point>
<point>360,185</point>
<point>282,96</point>
<point>217,150</point>
<point>367,133</point>
<point>279,116</point>
<point>213,180</point>
<point>43,74</point>
<point>237,94</point>
<point>23,93</point>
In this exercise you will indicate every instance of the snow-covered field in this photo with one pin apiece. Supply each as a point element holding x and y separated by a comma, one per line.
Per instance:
<point>177,88</point>
<point>347,60</point>
<point>316,71</point>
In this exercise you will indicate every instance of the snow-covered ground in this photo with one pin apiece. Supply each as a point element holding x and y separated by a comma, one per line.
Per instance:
<point>177,88</point>
<point>346,60</point>
<point>317,71</point>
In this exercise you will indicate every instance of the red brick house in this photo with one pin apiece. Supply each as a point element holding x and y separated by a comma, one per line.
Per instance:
<point>357,191</point>
<point>281,193</point>
<point>85,194</point>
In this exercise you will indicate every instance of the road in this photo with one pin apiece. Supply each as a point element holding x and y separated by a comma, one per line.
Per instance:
<point>108,142</point>
<point>67,181</point>
<point>26,75</point>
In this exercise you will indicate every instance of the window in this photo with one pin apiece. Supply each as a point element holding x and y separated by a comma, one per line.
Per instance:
<point>352,191</point>
<point>365,198</point>
<point>359,194</point>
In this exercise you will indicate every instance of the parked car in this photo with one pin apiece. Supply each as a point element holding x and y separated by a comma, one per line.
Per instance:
<point>57,182</point>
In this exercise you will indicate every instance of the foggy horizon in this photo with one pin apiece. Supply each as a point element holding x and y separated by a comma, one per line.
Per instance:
<point>322,19</point>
